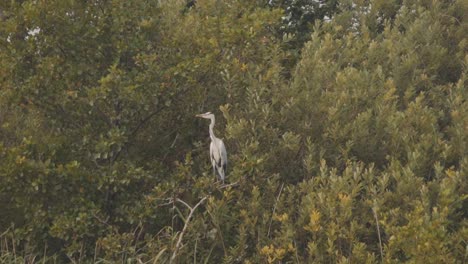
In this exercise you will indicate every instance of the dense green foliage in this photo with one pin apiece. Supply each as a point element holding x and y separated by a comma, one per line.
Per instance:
<point>347,136</point>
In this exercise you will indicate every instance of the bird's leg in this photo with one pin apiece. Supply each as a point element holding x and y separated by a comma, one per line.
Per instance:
<point>216,176</point>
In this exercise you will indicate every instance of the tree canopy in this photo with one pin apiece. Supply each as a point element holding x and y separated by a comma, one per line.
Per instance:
<point>345,122</point>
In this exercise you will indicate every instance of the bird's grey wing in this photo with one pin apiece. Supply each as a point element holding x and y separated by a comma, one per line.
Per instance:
<point>213,154</point>
<point>223,155</point>
<point>216,160</point>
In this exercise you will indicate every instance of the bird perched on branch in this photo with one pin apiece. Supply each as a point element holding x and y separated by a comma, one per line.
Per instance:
<point>218,154</point>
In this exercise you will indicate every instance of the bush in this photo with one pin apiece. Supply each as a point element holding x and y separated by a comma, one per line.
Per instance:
<point>355,153</point>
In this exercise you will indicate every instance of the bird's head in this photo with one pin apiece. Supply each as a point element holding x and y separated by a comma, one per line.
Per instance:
<point>206,115</point>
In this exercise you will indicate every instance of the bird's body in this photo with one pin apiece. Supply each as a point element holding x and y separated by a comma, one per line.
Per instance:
<point>218,158</point>
<point>218,154</point>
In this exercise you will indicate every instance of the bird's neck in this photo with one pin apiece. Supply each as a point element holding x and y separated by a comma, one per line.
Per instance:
<point>212,136</point>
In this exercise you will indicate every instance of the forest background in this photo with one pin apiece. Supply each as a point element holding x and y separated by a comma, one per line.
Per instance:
<point>345,121</point>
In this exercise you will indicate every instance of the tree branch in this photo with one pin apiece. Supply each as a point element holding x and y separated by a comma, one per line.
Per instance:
<point>179,241</point>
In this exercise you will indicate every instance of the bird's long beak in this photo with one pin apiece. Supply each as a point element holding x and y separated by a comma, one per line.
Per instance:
<point>198,115</point>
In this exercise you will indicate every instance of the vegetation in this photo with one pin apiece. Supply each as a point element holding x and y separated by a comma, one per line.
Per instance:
<point>346,128</point>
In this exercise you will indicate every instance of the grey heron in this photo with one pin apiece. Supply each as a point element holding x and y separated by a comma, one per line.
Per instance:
<point>218,154</point>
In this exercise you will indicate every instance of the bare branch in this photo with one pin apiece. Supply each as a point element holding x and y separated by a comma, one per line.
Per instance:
<point>184,203</point>
<point>181,235</point>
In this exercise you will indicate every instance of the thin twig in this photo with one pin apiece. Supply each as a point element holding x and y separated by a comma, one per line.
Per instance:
<point>6,231</point>
<point>71,260</point>
<point>139,234</point>
<point>81,252</point>
<point>173,211</point>
<point>102,221</point>
<point>171,147</point>
<point>95,251</point>
<point>179,241</point>
<point>195,253</point>
<point>45,254</point>
<point>184,203</point>
<point>164,204</point>
<point>5,247</point>
<point>159,255</point>
<point>175,139</point>
<point>274,209</point>
<point>13,242</point>
<point>295,251</point>
<point>228,185</point>
<point>378,233</point>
